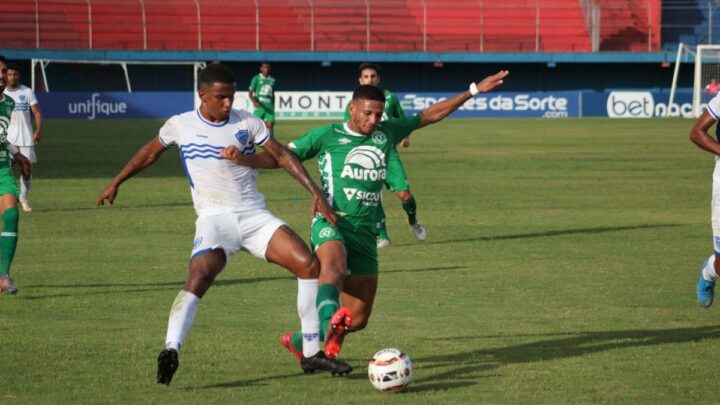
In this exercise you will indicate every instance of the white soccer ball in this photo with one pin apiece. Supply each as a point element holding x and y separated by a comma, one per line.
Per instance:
<point>390,370</point>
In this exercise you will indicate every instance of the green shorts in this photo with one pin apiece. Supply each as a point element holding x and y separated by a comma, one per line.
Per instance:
<point>396,179</point>
<point>8,184</point>
<point>359,242</point>
<point>265,113</point>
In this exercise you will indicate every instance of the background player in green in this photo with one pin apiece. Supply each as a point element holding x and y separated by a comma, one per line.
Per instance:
<point>396,181</point>
<point>8,187</point>
<point>352,158</point>
<point>262,95</point>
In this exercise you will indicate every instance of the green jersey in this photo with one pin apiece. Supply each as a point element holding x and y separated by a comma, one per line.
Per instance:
<point>392,108</point>
<point>353,167</point>
<point>7,105</point>
<point>264,90</point>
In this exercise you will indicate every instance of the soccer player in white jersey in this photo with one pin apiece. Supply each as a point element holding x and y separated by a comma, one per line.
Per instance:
<point>699,136</point>
<point>21,133</point>
<point>231,212</point>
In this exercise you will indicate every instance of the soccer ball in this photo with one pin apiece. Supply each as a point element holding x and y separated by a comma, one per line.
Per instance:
<point>390,370</point>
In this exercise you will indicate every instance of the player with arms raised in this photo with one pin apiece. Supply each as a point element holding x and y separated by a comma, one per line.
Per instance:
<point>396,180</point>
<point>8,187</point>
<point>352,159</point>
<point>231,212</point>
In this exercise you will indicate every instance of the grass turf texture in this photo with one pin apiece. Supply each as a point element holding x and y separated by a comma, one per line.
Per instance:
<point>560,267</point>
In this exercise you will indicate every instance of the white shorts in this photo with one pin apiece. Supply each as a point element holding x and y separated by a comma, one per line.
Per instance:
<point>28,152</point>
<point>715,206</point>
<point>248,231</point>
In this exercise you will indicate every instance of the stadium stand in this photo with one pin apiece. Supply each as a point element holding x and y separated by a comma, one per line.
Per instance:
<point>332,25</point>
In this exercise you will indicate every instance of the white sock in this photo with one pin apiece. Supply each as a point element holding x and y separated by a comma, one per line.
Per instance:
<point>181,319</point>
<point>24,187</point>
<point>309,320</point>
<point>708,271</point>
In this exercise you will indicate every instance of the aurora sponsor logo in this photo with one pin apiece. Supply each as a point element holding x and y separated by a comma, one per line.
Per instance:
<point>365,163</point>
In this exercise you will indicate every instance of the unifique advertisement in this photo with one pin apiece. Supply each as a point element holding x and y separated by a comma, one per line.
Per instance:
<point>114,105</point>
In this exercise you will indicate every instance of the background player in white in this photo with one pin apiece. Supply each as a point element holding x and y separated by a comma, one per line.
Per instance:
<point>21,133</point>
<point>699,136</point>
<point>231,211</point>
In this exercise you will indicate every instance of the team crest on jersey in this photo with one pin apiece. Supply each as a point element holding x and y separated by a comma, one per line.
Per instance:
<point>378,138</point>
<point>326,232</point>
<point>197,242</point>
<point>242,136</point>
<point>22,98</point>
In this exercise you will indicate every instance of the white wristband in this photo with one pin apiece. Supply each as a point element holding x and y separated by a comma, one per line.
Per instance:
<point>473,89</point>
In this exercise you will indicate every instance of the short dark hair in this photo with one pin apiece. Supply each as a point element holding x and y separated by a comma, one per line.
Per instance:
<point>2,59</point>
<point>368,92</point>
<point>372,66</point>
<point>13,66</point>
<point>216,72</point>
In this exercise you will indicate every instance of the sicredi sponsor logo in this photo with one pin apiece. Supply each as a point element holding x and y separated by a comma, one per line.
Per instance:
<point>641,104</point>
<point>94,106</point>
<point>549,106</point>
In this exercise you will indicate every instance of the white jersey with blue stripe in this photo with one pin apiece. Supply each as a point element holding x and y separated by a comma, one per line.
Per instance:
<point>217,185</point>
<point>20,132</point>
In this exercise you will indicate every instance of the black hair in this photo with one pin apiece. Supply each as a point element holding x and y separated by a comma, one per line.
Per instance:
<point>368,92</point>
<point>2,59</point>
<point>13,66</point>
<point>372,66</point>
<point>216,72</point>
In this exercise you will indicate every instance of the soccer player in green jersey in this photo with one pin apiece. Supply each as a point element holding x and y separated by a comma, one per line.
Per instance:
<point>396,180</point>
<point>262,95</point>
<point>8,187</point>
<point>353,159</point>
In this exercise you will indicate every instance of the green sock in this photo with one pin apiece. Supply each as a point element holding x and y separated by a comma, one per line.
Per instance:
<point>328,301</point>
<point>411,209</point>
<point>297,341</point>
<point>8,239</point>
<point>380,223</point>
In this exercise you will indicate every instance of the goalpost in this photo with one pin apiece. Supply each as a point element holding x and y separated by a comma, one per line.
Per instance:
<point>111,75</point>
<point>706,77</point>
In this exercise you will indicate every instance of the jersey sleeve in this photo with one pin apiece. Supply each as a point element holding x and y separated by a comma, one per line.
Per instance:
<point>309,145</point>
<point>31,99</point>
<point>397,111</point>
<point>258,131</point>
<point>253,83</point>
<point>400,128</point>
<point>168,134</point>
<point>713,107</point>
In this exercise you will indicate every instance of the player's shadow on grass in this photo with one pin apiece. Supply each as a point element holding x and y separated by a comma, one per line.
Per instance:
<point>467,367</point>
<point>561,232</point>
<point>125,288</point>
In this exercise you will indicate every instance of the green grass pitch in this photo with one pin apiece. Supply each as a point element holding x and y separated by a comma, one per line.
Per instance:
<point>560,267</point>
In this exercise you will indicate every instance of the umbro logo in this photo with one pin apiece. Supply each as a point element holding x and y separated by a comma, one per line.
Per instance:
<point>201,136</point>
<point>344,141</point>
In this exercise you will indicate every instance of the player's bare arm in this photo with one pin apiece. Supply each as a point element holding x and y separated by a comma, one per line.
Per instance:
<point>38,122</point>
<point>699,134</point>
<point>288,161</point>
<point>261,160</point>
<point>143,158</point>
<point>442,109</point>
<point>251,95</point>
